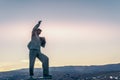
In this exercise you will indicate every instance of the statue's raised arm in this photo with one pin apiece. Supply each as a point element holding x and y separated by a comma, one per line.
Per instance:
<point>37,25</point>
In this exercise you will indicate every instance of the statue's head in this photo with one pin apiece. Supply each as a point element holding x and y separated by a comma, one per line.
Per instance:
<point>39,31</point>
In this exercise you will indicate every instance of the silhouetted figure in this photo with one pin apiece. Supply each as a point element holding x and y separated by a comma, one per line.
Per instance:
<point>35,52</point>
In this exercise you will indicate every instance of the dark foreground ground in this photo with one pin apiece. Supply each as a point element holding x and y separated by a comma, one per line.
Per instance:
<point>107,72</point>
<point>58,75</point>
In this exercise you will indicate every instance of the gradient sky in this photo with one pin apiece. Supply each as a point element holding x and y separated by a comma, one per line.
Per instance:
<point>78,32</point>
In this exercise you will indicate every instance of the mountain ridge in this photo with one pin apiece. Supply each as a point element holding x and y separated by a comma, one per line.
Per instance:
<point>91,68</point>
<point>101,72</point>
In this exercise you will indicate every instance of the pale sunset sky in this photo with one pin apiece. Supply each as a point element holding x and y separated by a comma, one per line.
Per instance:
<point>78,32</point>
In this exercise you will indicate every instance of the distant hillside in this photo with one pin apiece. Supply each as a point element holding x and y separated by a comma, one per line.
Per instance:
<point>64,73</point>
<point>88,69</point>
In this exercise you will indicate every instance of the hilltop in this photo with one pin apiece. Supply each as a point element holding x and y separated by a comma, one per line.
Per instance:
<point>99,72</point>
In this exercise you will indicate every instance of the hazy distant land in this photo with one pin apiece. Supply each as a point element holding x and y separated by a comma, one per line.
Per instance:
<point>104,72</point>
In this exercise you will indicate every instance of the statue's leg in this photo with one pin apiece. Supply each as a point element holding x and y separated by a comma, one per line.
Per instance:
<point>45,63</point>
<point>32,56</point>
